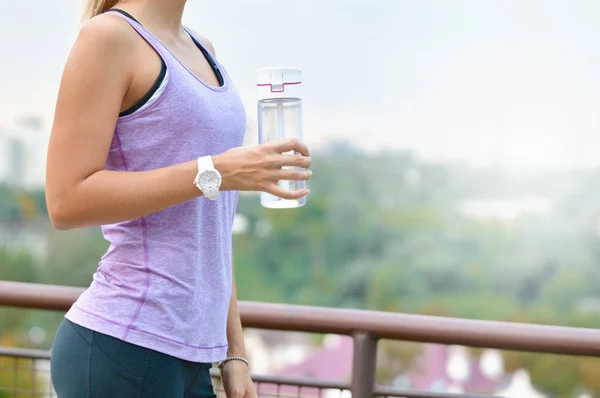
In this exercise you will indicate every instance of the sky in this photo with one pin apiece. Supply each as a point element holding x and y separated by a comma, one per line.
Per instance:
<point>507,82</point>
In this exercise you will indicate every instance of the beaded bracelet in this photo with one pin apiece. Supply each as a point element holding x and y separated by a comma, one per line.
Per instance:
<point>223,362</point>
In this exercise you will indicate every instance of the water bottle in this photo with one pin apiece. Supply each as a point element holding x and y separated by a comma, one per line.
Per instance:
<point>280,117</point>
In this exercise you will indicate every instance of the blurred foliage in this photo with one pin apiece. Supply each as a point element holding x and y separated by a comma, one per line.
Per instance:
<point>21,205</point>
<point>387,232</point>
<point>18,374</point>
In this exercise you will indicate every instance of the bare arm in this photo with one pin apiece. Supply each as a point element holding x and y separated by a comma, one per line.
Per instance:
<point>235,338</point>
<point>80,192</point>
<point>235,374</point>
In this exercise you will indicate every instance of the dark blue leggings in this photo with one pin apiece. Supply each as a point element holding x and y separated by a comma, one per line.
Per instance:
<point>88,364</point>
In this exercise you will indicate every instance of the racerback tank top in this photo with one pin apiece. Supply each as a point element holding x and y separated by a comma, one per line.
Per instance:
<point>165,282</point>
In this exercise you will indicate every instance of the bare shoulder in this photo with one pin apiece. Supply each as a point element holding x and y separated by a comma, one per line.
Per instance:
<point>107,31</point>
<point>207,43</point>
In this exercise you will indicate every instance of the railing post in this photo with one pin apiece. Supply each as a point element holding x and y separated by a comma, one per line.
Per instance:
<point>364,365</point>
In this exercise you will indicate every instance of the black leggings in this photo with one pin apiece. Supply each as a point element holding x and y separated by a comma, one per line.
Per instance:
<point>88,364</point>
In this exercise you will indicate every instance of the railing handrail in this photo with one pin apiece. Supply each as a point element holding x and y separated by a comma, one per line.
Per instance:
<point>406,327</point>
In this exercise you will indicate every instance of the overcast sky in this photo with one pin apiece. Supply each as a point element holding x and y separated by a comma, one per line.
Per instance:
<point>515,82</point>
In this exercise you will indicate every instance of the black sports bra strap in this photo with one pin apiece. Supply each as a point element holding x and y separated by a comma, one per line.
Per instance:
<point>128,15</point>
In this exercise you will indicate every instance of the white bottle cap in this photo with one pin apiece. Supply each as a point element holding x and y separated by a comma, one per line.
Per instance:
<point>279,82</point>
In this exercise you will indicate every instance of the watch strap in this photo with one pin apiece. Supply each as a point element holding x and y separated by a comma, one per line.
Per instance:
<point>205,163</point>
<point>212,195</point>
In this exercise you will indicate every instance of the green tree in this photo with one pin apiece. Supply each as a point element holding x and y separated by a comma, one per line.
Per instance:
<point>15,265</point>
<point>73,257</point>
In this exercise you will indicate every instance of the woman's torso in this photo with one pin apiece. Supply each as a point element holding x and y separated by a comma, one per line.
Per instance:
<point>165,281</point>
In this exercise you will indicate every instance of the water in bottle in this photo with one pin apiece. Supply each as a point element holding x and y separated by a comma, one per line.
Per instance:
<point>280,117</point>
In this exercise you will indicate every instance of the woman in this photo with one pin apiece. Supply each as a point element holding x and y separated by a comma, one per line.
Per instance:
<point>147,142</point>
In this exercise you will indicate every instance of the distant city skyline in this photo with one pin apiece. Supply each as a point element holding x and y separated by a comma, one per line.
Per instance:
<point>484,81</point>
<point>23,149</point>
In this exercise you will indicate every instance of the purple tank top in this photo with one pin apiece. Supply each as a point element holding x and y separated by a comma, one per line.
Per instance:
<point>165,281</point>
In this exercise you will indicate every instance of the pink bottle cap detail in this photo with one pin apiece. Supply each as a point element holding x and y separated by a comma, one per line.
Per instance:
<point>278,82</point>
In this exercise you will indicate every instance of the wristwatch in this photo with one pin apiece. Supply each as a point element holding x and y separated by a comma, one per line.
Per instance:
<point>208,180</point>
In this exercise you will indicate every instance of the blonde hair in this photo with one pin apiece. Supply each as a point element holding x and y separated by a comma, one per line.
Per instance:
<point>97,7</point>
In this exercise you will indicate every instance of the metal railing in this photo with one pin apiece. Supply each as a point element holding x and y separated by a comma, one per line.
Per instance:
<point>24,361</point>
<point>366,328</point>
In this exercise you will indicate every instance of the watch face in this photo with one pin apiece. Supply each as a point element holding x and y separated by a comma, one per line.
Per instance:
<point>209,181</point>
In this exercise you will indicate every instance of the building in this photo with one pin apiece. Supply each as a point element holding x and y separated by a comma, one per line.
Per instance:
<point>23,148</point>
<point>438,368</point>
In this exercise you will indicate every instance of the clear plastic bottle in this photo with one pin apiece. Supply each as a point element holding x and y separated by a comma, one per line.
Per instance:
<point>280,117</point>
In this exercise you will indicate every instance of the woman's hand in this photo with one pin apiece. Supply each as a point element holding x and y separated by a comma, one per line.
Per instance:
<point>261,167</point>
<point>236,380</point>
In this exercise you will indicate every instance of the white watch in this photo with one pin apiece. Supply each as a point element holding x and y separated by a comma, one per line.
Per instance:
<point>208,180</point>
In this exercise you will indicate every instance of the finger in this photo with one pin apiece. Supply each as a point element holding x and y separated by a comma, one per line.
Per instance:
<point>292,144</point>
<point>292,175</point>
<point>285,194</point>
<point>293,160</point>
